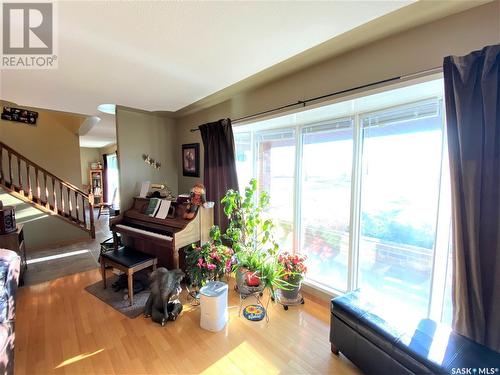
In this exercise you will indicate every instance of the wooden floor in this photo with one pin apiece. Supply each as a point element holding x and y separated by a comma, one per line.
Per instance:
<point>40,269</point>
<point>61,328</point>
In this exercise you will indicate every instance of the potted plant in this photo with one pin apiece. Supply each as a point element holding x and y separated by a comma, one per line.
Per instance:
<point>246,267</point>
<point>249,233</point>
<point>294,269</point>
<point>273,275</point>
<point>210,261</point>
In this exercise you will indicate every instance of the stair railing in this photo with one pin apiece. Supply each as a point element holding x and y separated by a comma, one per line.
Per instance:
<point>51,193</point>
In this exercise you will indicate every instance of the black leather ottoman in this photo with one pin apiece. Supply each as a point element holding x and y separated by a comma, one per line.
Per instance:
<point>378,346</point>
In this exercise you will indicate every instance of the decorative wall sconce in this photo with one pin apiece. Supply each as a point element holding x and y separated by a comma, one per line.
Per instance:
<point>150,161</point>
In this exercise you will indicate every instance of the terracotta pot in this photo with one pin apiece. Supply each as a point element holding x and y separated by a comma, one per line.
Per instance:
<point>252,278</point>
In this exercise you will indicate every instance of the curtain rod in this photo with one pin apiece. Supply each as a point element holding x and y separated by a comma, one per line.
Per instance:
<point>304,102</point>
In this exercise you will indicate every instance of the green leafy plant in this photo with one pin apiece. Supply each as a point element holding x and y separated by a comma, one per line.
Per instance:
<point>248,229</point>
<point>251,234</point>
<point>273,276</point>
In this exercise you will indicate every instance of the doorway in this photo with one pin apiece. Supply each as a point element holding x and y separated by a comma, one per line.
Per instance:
<point>111,181</point>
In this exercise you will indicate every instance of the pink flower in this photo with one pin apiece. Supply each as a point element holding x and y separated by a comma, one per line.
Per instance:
<point>211,267</point>
<point>200,262</point>
<point>215,255</point>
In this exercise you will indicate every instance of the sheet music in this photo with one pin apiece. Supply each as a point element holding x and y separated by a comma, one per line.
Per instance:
<point>162,211</point>
<point>144,189</point>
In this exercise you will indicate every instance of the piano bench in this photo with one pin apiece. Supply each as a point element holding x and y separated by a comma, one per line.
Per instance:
<point>127,260</point>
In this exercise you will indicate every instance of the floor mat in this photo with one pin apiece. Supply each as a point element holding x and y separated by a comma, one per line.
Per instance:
<point>116,300</point>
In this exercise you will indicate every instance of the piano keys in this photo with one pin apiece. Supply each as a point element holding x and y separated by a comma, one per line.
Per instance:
<point>162,238</point>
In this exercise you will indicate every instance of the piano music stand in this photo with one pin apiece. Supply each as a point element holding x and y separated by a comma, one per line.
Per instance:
<point>128,261</point>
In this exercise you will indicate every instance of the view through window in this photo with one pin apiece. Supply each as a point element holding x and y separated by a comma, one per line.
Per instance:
<point>400,183</point>
<point>362,188</point>
<point>326,200</point>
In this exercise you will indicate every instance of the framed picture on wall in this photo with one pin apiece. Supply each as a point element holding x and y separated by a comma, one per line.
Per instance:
<point>191,160</point>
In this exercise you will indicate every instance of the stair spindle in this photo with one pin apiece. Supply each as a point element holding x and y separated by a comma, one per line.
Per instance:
<point>30,192</point>
<point>76,206</point>
<point>19,179</point>
<point>10,170</point>
<point>70,204</point>
<point>37,183</point>
<point>54,196</point>
<point>47,205</point>
<point>62,199</point>
<point>84,211</point>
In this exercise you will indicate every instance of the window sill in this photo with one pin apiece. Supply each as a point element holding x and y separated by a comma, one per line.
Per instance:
<point>319,291</point>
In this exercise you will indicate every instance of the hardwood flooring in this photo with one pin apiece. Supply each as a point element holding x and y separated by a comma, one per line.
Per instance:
<point>60,328</point>
<point>58,261</point>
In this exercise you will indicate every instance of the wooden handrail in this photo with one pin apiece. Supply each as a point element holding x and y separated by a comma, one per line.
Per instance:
<point>43,170</point>
<point>47,200</point>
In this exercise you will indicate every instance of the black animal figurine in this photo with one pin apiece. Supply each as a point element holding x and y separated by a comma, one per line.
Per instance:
<point>163,303</point>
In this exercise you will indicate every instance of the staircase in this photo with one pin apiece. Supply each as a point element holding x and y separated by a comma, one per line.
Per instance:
<point>33,184</point>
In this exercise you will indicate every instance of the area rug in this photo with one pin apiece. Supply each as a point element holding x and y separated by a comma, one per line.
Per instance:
<point>116,300</point>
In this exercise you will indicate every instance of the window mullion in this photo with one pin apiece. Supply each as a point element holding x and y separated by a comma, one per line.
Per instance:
<point>354,227</point>
<point>297,190</point>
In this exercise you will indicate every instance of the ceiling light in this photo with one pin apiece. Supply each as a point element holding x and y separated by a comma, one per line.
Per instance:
<point>107,108</point>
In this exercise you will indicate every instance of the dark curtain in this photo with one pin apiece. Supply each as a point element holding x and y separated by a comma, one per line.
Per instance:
<point>219,172</point>
<point>473,126</point>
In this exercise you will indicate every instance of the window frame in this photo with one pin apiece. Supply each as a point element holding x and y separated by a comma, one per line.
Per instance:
<point>435,304</point>
<point>298,230</point>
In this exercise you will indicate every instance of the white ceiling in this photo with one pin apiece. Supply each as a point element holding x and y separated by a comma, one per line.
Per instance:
<point>167,55</point>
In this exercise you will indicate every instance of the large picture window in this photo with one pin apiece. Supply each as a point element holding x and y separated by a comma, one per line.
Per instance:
<point>358,187</point>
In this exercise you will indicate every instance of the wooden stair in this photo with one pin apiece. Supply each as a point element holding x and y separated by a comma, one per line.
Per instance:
<point>33,184</point>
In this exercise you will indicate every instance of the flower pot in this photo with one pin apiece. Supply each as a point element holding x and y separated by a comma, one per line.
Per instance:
<point>252,278</point>
<point>240,277</point>
<point>293,291</point>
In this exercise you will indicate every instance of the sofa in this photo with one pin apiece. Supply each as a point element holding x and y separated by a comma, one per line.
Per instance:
<point>9,278</point>
<point>380,346</point>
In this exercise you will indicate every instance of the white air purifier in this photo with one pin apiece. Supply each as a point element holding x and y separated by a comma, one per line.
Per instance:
<point>213,305</point>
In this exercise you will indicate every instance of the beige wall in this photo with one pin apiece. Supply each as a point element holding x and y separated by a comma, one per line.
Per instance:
<point>414,50</point>
<point>87,156</point>
<point>141,133</point>
<point>53,143</point>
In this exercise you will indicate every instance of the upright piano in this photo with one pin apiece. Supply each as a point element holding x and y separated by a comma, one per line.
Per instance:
<point>162,238</point>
